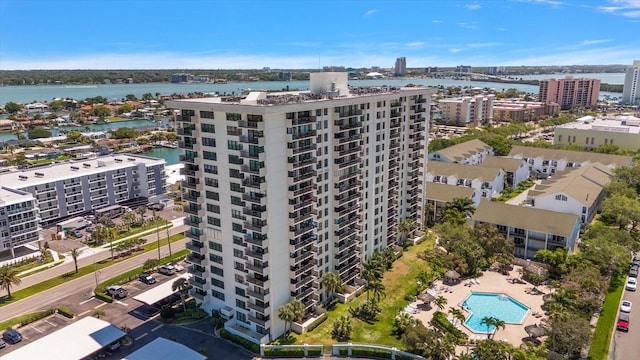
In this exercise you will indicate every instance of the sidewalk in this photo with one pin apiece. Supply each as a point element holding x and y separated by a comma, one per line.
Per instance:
<point>86,251</point>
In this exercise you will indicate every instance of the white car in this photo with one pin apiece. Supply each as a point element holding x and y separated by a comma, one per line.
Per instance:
<point>632,283</point>
<point>626,306</point>
<point>177,267</point>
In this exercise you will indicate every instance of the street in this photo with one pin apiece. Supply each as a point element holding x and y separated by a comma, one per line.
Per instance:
<point>86,283</point>
<point>625,344</point>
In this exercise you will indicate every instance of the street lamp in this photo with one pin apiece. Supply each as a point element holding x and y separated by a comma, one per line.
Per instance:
<point>168,236</point>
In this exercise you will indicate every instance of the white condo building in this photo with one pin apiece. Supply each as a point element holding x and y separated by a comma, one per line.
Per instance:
<point>19,219</point>
<point>285,187</point>
<point>631,91</point>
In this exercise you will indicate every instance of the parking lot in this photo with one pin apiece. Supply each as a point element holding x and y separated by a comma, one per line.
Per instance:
<point>65,246</point>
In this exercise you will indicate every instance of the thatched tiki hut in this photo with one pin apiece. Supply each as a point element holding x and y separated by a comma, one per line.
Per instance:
<point>451,277</point>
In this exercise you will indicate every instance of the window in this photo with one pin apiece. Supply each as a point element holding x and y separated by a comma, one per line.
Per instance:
<point>233,145</point>
<point>561,197</point>
<point>209,141</point>
<point>234,116</point>
<point>213,208</point>
<point>238,253</point>
<point>235,159</point>
<point>215,246</point>
<point>217,294</point>
<point>215,258</point>
<point>212,195</point>
<point>237,227</point>
<point>237,201</point>
<point>241,304</point>
<point>217,283</point>
<point>208,128</point>
<point>240,292</point>
<point>212,220</point>
<point>217,270</point>
<point>208,155</point>
<point>211,169</point>
<point>206,114</point>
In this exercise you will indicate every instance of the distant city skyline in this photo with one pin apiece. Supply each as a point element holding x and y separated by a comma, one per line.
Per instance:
<point>310,34</point>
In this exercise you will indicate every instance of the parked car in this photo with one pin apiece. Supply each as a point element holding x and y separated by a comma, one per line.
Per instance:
<point>75,233</point>
<point>626,306</point>
<point>117,291</point>
<point>147,279</point>
<point>167,269</point>
<point>633,273</point>
<point>114,345</point>
<point>178,267</point>
<point>90,229</point>
<point>11,336</point>
<point>623,322</point>
<point>2,344</point>
<point>632,284</point>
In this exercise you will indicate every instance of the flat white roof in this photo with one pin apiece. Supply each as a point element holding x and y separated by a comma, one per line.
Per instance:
<point>162,348</point>
<point>619,124</point>
<point>75,341</point>
<point>10,196</point>
<point>63,171</point>
<point>159,292</point>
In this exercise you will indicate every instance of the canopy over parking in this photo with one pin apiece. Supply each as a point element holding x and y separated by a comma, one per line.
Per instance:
<point>159,292</point>
<point>161,348</point>
<point>75,341</point>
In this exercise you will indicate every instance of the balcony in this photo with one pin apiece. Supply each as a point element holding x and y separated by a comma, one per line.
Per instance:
<point>342,163</point>
<point>301,257</point>
<point>349,174</point>
<point>254,182</point>
<point>256,211</point>
<point>344,245</point>
<point>259,308</point>
<point>260,321</point>
<point>346,125</point>
<point>303,120</point>
<point>259,226</point>
<point>250,170</point>
<point>263,283</point>
<point>191,184</point>
<point>347,139</point>
<point>251,140</point>
<point>192,209</point>
<point>248,124</point>
<point>254,240</point>
<point>253,155</point>
<point>302,282</point>
<point>184,131</point>
<point>183,118</point>
<point>301,149</point>
<point>195,271</point>
<point>197,294</point>
<point>194,258</point>
<point>303,176</point>
<point>304,228</point>
<point>350,113</point>
<point>257,295</point>
<point>256,199</point>
<point>295,218</point>
<point>299,269</point>
<point>195,235</point>
<point>255,254</point>
<point>301,135</point>
<point>260,268</point>
<point>187,159</point>
<point>192,221</point>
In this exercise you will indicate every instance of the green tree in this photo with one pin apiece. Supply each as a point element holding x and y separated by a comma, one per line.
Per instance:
<point>125,133</point>
<point>492,350</point>
<point>332,283</point>
<point>150,264</point>
<point>342,328</point>
<point>405,228</point>
<point>377,289</point>
<point>402,322</point>
<point>99,313</point>
<point>39,132</point>
<point>101,111</point>
<point>12,107</point>
<point>457,314</point>
<point>124,108</point>
<point>182,286</point>
<point>289,313</point>
<point>569,333</point>
<point>557,261</point>
<point>8,278</point>
<point>74,136</point>
<point>496,246</point>
<point>440,302</point>
<point>141,210</point>
<point>74,254</point>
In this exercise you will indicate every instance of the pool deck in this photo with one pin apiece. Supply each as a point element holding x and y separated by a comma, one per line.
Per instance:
<point>493,282</point>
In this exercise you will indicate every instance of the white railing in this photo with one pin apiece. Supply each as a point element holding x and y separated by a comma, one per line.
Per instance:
<point>350,350</point>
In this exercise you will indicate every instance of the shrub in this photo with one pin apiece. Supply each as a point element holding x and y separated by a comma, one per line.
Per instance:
<point>317,322</point>
<point>217,320</point>
<point>314,352</point>
<point>285,352</point>
<point>343,352</point>
<point>371,353</point>
<point>167,312</point>
<point>103,297</point>
<point>66,312</point>
<point>36,316</point>
<point>440,321</point>
<point>249,345</point>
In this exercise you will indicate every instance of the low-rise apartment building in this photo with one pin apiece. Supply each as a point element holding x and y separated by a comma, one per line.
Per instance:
<point>487,181</point>
<point>19,219</point>
<point>74,188</point>
<point>470,152</point>
<point>515,170</point>
<point>550,161</point>
<point>437,196</point>
<point>530,229</point>
<point>576,191</point>
<point>508,110</point>
<point>468,111</point>
<point>591,132</point>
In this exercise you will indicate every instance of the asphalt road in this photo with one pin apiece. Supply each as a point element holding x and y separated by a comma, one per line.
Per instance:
<point>625,345</point>
<point>86,283</point>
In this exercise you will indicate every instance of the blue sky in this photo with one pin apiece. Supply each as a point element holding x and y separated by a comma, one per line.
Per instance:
<point>185,34</point>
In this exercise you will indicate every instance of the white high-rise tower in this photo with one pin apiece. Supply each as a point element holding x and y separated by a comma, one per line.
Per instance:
<point>631,93</point>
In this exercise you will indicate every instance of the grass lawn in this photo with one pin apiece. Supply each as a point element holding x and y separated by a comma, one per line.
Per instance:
<point>602,336</point>
<point>398,282</point>
<point>48,284</point>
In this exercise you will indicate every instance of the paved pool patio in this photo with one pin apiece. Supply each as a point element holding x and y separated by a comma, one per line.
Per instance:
<point>493,282</point>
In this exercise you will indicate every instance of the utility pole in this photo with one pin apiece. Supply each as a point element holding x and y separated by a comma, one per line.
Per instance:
<point>157,234</point>
<point>169,237</point>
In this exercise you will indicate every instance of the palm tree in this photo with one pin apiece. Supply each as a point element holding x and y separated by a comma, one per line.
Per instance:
<point>440,302</point>
<point>8,278</point>
<point>406,227</point>
<point>74,254</point>
<point>342,328</point>
<point>457,314</point>
<point>463,205</point>
<point>371,270</point>
<point>99,313</point>
<point>402,322</point>
<point>332,283</point>
<point>182,286</point>
<point>141,210</point>
<point>377,288</point>
<point>128,219</point>
<point>499,324</point>
<point>285,313</point>
<point>489,321</point>
<point>298,309</point>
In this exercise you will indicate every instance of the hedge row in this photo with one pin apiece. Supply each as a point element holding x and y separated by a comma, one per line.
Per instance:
<point>317,322</point>
<point>66,312</point>
<point>440,321</point>
<point>249,345</point>
<point>371,353</point>
<point>284,352</point>
<point>25,319</point>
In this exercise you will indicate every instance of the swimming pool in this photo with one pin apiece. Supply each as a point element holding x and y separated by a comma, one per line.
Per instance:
<point>500,306</point>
